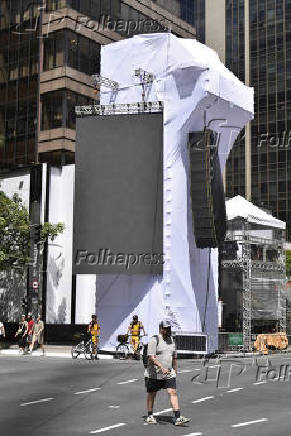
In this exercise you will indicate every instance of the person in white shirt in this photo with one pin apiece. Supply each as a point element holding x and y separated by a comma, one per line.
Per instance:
<point>161,372</point>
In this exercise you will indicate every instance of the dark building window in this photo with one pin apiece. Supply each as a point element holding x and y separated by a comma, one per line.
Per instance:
<point>52,110</point>
<point>58,109</point>
<point>72,50</point>
<point>52,5</point>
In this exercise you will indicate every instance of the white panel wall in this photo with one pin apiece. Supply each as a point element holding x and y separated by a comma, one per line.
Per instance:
<point>17,184</point>
<point>85,298</point>
<point>59,277</point>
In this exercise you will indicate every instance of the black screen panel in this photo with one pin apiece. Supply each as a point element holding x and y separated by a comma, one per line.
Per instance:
<point>118,224</point>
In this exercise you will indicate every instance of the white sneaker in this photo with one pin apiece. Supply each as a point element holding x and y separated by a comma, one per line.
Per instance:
<point>151,420</point>
<point>182,420</point>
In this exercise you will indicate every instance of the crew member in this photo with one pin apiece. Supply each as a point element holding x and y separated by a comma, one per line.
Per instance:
<point>134,329</point>
<point>94,329</point>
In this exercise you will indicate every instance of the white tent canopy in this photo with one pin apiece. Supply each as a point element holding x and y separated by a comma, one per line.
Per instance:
<point>239,207</point>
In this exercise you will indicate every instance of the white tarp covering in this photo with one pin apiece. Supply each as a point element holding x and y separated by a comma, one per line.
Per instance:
<point>196,88</point>
<point>239,207</point>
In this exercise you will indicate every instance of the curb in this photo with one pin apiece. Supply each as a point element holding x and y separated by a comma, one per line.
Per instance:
<point>50,354</point>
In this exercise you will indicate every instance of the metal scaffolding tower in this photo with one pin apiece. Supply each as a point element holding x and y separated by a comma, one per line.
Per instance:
<point>271,271</point>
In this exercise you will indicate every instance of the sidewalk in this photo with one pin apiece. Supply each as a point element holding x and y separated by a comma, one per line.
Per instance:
<point>61,351</point>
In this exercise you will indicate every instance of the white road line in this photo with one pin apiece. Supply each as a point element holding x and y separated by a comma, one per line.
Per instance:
<point>235,390</point>
<point>88,391</point>
<point>184,371</point>
<point>193,434</point>
<point>44,400</point>
<point>114,407</point>
<point>244,424</point>
<point>128,381</point>
<point>201,400</point>
<point>121,424</point>
<point>162,411</point>
<point>260,383</point>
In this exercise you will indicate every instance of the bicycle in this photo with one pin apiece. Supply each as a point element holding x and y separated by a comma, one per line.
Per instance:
<point>85,346</point>
<point>125,348</point>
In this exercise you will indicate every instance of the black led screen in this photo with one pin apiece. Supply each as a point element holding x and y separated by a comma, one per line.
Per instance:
<point>118,219</point>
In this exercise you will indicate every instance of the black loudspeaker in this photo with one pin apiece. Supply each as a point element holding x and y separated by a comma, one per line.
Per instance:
<point>207,191</point>
<point>35,182</point>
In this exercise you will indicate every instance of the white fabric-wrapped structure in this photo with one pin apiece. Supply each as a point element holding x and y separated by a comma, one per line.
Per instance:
<point>197,91</point>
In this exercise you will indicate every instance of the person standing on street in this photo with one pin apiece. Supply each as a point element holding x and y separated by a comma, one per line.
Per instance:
<point>2,331</point>
<point>94,329</point>
<point>162,369</point>
<point>30,326</point>
<point>38,332</point>
<point>134,329</point>
<point>21,333</point>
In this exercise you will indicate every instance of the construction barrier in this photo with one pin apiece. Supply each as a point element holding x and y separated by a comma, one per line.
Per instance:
<point>266,342</point>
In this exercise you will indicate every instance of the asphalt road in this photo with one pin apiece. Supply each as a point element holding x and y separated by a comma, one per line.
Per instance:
<point>58,397</point>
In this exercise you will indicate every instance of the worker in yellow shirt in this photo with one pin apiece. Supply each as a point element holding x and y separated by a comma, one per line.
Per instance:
<point>134,329</point>
<point>94,329</point>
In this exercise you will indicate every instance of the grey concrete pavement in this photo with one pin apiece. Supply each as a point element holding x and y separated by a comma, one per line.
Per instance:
<point>56,397</point>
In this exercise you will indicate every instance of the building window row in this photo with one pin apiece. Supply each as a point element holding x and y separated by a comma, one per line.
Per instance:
<point>58,109</point>
<point>66,48</point>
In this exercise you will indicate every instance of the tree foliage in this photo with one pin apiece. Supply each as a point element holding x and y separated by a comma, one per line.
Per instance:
<point>15,232</point>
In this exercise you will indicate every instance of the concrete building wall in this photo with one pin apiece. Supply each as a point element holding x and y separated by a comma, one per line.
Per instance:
<point>215,26</point>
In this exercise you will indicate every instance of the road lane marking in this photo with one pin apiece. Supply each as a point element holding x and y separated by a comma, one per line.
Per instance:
<point>244,424</point>
<point>114,407</point>
<point>260,383</point>
<point>88,391</point>
<point>234,390</point>
<point>128,381</point>
<point>163,411</point>
<point>193,434</point>
<point>201,400</point>
<point>44,400</point>
<point>121,424</point>
<point>184,371</point>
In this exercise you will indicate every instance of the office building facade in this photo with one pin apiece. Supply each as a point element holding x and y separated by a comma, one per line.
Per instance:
<point>258,51</point>
<point>50,49</point>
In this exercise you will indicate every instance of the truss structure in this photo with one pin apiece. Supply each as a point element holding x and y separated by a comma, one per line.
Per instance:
<point>108,83</point>
<point>119,109</point>
<point>248,267</point>
<point>144,76</point>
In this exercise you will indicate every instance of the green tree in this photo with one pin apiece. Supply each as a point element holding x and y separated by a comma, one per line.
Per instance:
<point>15,232</point>
<point>288,263</point>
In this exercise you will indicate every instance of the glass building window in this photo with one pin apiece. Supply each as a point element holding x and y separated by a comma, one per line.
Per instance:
<point>58,109</point>
<point>67,48</point>
<point>54,47</point>
<point>52,110</point>
<point>73,100</point>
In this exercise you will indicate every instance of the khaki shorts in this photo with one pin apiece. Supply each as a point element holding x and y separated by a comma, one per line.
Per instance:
<point>38,339</point>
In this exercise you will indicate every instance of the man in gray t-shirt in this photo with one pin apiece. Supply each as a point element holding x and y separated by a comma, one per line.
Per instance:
<point>162,369</point>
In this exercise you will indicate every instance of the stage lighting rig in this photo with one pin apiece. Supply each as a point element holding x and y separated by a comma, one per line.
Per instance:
<point>144,76</point>
<point>108,83</point>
